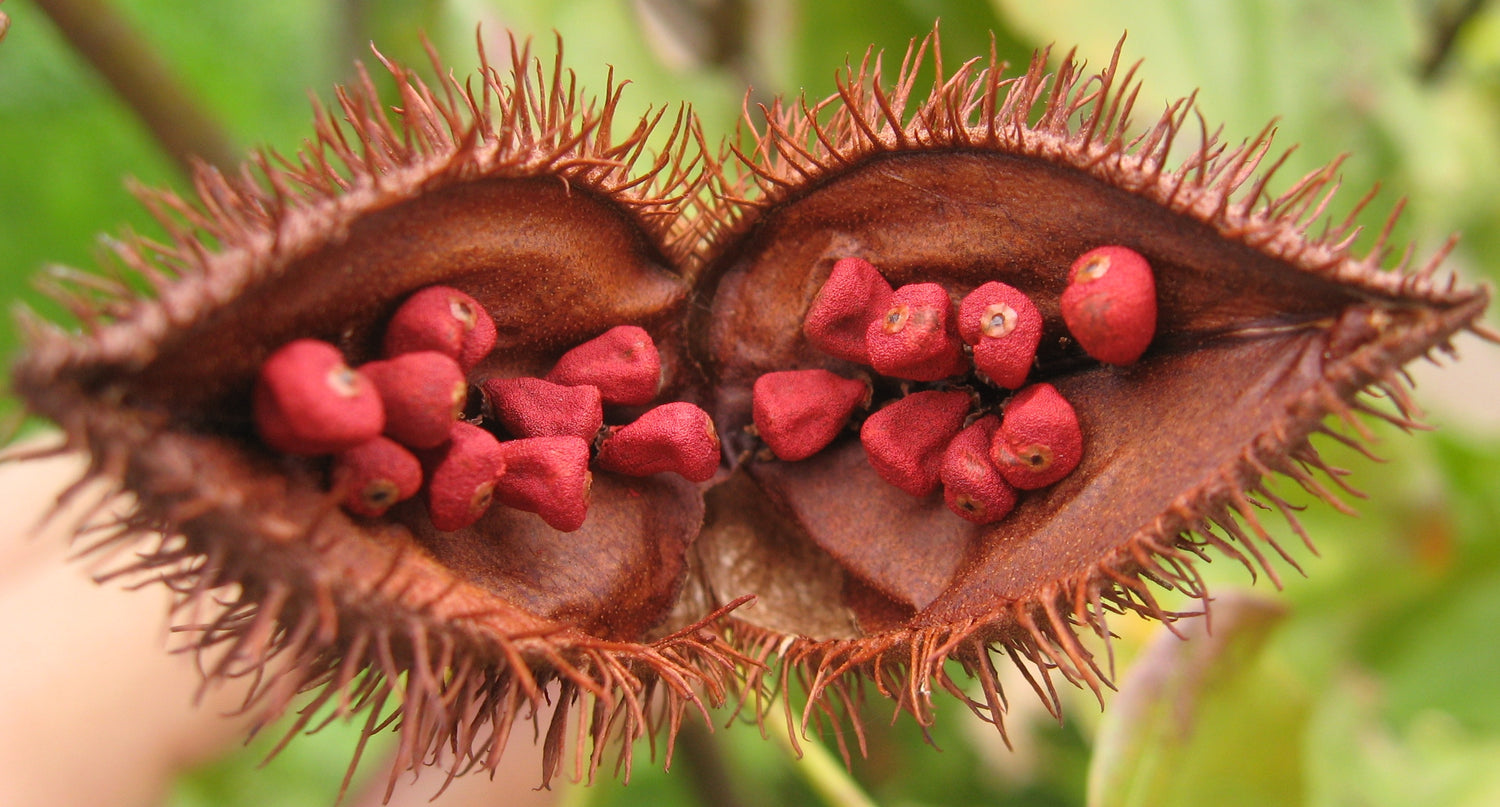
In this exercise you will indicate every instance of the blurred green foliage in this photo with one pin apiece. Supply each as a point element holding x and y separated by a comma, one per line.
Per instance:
<point>1377,687</point>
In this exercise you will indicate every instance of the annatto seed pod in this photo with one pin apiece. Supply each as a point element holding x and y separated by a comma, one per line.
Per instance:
<point>674,438</point>
<point>308,401</point>
<point>375,475</point>
<point>973,487</point>
<point>1005,329</point>
<point>423,393</point>
<point>1039,441</point>
<point>519,193</point>
<point>445,320</point>
<point>548,476</point>
<point>916,338</point>
<point>905,441</point>
<point>534,407</point>
<point>854,296</point>
<point>1110,304</point>
<point>622,363</point>
<point>799,412</point>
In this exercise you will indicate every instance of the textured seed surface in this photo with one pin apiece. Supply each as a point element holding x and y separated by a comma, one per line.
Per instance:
<point>1109,304</point>
<point>535,407</point>
<point>972,486</point>
<point>917,338</point>
<point>423,393</point>
<point>548,476</point>
<point>905,440</point>
<point>445,320</point>
<point>1005,328</point>
<point>461,476</point>
<point>799,412</point>
<point>1039,441</point>
<point>622,363</point>
<point>677,437</point>
<point>308,401</point>
<point>375,475</point>
<point>853,297</point>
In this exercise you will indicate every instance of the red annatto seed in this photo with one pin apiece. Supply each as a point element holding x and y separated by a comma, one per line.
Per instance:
<point>916,337</point>
<point>972,486</point>
<point>548,476</point>
<point>1109,304</point>
<point>461,476</point>
<point>375,475</point>
<point>905,441</point>
<point>799,412</point>
<point>1005,328</point>
<point>855,295</point>
<point>307,401</point>
<point>443,319</point>
<point>622,362</point>
<point>677,437</point>
<point>1039,441</point>
<point>533,407</point>
<point>423,393</point>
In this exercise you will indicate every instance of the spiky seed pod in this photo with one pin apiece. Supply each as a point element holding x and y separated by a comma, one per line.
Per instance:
<point>1110,304</point>
<point>423,393</point>
<point>916,338</point>
<point>622,363</point>
<point>451,635</point>
<point>375,475</point>
<point>308,401</point>
<point>442,319</point>
<point>1038,442</point>
<point>534,407</point>
<point>799,412</point>
<point>1005,329</point>
<point>972,486</point>
<point>674,438</point>
<point>512,187</point>
<point>1263,332</point>
<point>905,441</point>
<point>548,476</point>
<point>854,296</point>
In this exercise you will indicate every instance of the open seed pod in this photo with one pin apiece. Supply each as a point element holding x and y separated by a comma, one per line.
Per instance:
<point>520,195</point>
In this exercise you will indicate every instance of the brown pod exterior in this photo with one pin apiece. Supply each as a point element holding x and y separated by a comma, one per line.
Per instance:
<point>534,202</point>
<point>1261,334</point>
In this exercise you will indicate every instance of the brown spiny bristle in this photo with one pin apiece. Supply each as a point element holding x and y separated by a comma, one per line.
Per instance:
<point>1266,332</point>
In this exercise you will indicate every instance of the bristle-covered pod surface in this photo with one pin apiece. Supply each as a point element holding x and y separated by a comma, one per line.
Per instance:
<point>510,201</point>
<point>1256,331</point>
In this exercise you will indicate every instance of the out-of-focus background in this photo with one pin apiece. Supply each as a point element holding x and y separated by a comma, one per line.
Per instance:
<point>1372,681</point>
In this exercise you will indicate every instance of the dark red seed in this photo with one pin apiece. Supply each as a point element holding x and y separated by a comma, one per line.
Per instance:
<point>1039,441</point>
<point>855,295</point>
<point>972,485</point>
<point>1005,328</point>
<point>799,412</point>
<point>534,407</point>
<point>1109,304</point>
<point>307,401</point>
<point>622,362</point>
<point>423,393</point>
<point>905,441</point>
<point>677,437</point>
<point>461,476</point>
<point>445,320</point>
<point>916,338</point>
<point>548,476</point>
<point>375,475</point>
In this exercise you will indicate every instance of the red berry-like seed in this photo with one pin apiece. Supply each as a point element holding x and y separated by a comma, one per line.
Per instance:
<point>307,401</point>
<point>1005,328</point>
<point>799,412</point>
<point>972,487</point>
<point>375,475</point>
<point>916,338</point>
<point>445,320</point>
<point>533,407</point>
<point>423,393</point>
<point>855,295</point>
<point>461,476</point>
<point>677,437</point>
<point>1109,304</point>
<point>548,476</point>
<point>622,362</point>
<point>905,441</point>
<point>1039,441</point>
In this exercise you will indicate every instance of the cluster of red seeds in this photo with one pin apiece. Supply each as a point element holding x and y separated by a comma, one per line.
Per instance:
<point>395,426</point>
<point>947,435</point>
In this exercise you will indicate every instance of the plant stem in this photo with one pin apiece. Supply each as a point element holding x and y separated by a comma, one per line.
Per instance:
<point>126,60</point>
<point>826,775</point>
